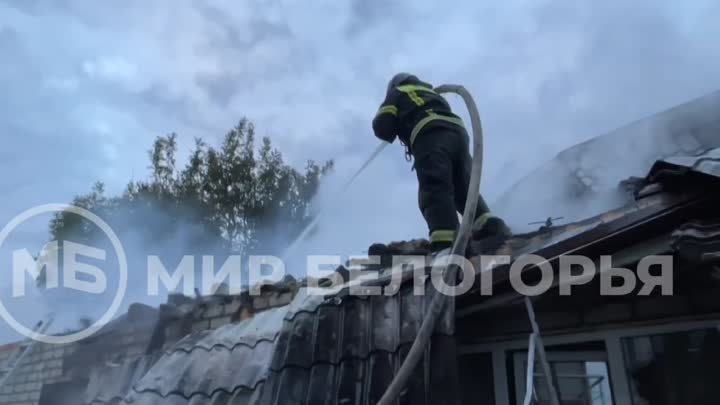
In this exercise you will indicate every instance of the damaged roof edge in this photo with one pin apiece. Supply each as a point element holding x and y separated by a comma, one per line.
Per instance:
<point>658,214</point>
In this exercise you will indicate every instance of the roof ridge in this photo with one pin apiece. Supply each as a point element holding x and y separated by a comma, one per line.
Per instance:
<point>218,345</point>
<point>193,394</point>
<point>345,359</point>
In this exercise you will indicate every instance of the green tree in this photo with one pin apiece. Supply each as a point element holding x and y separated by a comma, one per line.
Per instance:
<point>240,196</point>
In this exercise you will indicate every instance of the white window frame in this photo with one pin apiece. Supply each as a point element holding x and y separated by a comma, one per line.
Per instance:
<point>611,337</point>
<point>521,357</point>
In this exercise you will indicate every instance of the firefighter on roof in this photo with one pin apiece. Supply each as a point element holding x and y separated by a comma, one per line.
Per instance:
<point>437,139</point>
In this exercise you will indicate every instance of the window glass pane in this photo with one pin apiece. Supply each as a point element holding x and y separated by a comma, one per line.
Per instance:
<point>681,368</point>
<point>600,383</point>
<point>476,379</point>
<point>578,383</point>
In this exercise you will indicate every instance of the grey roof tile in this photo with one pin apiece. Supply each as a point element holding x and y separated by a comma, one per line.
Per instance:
<point>314,351</point>
<point>110,383</point>
<point>707,163</point>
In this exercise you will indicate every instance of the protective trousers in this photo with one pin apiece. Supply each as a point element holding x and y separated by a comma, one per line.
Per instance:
<point>443,164</point>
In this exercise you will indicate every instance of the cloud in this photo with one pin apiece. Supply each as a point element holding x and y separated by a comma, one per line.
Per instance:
<point>546,74</point>
<point>87,86</point>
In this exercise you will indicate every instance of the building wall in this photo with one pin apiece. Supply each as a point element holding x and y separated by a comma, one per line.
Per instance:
<point>214,312</point>
<point>43,364</point>
<point>52,367</point>
<point>557,315</point>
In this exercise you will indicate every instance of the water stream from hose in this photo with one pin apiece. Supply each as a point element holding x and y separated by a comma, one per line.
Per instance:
<point>306,231</point>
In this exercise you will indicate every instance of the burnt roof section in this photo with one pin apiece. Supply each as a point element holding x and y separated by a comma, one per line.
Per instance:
<point>321,359</point>
<point>313,351</point>
<point>225,361</point>
<point>674,191</point>
<point>698,242</point>
<point>706,163</point>
<point>125,335</point>
<point>319,350</point>
<point>586,172</point>
<point>110,383</point>
<point>681,177</point>
<point>651,201</point>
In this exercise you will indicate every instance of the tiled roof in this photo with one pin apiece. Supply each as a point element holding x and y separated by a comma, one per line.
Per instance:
<point>214,363</point>
<point>345,349</point>
<point>707,163</point>
<point>110,383</point>
<point>314,351</point>
<point>588,172</point>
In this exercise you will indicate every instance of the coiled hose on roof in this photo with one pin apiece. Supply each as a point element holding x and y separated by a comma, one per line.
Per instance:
<point>441,298</point>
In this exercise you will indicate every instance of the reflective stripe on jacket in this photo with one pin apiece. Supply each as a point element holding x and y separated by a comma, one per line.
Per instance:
<point>410,109</point>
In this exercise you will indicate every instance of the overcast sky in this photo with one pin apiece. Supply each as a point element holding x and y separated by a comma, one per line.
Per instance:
<point>87,85</point>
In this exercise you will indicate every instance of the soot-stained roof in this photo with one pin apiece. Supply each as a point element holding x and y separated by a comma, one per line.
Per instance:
<point>345,349</point>
<point>336,350</point>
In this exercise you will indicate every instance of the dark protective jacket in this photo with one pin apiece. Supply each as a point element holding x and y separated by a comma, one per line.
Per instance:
<point>412,109</point>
